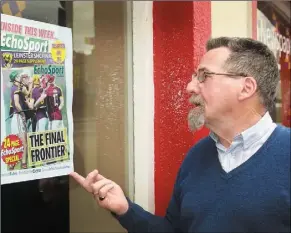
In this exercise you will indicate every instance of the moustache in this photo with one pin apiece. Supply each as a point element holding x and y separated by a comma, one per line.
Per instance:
<point>196,100</point>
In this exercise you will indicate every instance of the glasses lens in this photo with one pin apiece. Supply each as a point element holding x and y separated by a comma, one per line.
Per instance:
<point>194,75</point>
<point>201,76</point>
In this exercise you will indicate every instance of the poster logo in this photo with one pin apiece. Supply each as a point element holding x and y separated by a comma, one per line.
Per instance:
<point>7,58</point>
<point>12,150</point>
<point>23,43</point>
<point>57,70</point>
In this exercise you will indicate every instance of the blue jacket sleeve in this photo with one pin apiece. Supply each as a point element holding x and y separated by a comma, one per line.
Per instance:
<point>136,219</point>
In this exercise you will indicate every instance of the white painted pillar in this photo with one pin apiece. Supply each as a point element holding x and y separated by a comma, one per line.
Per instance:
<point>143,95</point>
<point>231,18</point>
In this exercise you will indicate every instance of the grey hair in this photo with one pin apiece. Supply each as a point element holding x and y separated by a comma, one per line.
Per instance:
<point>254,59</point>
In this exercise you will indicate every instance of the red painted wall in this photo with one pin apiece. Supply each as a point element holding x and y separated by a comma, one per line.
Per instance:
<point>180,30</point>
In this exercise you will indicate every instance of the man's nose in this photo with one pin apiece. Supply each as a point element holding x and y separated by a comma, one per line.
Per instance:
<point>192,87</point>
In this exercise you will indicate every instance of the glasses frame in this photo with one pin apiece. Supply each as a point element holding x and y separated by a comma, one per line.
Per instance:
<point>203,75</point>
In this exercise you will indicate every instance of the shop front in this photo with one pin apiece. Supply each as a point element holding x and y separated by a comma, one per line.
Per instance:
<point>131,64</point>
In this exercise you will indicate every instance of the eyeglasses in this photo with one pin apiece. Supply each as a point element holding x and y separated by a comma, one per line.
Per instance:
<point>202,75</point>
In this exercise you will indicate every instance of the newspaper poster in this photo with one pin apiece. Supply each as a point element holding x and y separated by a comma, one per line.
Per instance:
<point>36,100</point>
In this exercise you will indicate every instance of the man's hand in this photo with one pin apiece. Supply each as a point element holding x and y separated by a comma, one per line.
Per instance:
<point>30,103</point>
<point>107,194</point>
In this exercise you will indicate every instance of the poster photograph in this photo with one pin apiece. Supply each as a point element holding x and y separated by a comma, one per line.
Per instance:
<point>36,100</point>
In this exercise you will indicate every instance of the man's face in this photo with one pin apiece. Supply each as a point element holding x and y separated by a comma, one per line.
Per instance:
<point>43,82</point>
<point>18,80</point>
<point>51,81</point>
<point>217,95</point>
<point>28,83</point>
<point>26,79</point>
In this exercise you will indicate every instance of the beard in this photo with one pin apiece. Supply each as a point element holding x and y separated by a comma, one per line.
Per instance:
<point>196,118</point>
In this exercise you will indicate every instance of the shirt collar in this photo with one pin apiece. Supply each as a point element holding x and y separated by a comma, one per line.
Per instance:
<point>252,134</point>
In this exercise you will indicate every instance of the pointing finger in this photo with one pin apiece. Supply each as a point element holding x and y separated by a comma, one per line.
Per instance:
<point>80,179</point>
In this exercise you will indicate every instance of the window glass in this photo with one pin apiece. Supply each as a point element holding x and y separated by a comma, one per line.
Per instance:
<point>274,30</point>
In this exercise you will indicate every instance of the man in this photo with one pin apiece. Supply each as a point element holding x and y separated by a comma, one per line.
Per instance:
<point>19,111</point>
<point>27,85</point>
<point>54,101</point>
<point>238,178</point>
<point>40,122</point>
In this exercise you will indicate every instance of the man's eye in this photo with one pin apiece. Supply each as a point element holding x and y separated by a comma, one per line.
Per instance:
<point>206,75</point>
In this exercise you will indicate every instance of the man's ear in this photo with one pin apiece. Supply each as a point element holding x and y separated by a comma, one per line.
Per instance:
<point>249,87</point>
